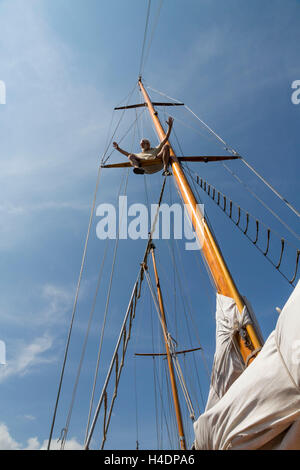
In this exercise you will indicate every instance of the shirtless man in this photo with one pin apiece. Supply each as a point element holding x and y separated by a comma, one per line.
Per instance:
<point>161,152</point>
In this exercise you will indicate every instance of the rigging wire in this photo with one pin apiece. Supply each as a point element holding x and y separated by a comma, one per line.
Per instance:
<point>172,415</point>
<point>158,396</point>
<point>145,53</point>
<point>188,301</point>
<point>184,387</point>
<point>171,346</point>
<point>234,152</point>
<point>74,308</point>
<point>103,159</point>
<point>164,416</point>
<point>270,187</point>
<point>174,271</point>
<point>187,310</point>
<point>80,278</point>
<point>261,201</point>
<point>154,370</point>
<point>105,315</point>
<point>104,394</point>
<point>66,428</point>
<point>265,205</point>
<point>219,304</point>
<point>153,31</point>
<point>67,425</point>
<point>120,349</point>
<point>204,260</point>
<point>181,376</point>
<point>147,307</point>
<point>158,383</point>
<point>145,36</point>
<point>136,407</point>
<point>157,387</point>
<point>211,191</point>
<point>142,60</point>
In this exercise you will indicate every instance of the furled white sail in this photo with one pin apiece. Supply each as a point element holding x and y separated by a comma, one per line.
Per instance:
<point>228,362</point>
<point>258,408</point>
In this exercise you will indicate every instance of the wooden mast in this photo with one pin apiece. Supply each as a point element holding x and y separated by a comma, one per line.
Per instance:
<point>169,356</point>
<point>223,280</point>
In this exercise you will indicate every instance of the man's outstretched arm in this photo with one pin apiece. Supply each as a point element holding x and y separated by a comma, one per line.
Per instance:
<point>170,124</point>
<point>120,150</point>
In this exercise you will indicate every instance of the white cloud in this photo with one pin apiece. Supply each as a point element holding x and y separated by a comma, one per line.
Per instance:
<point>71,444</point>
<point>30,417</point>
<point>27,357</point>
<point>7,442</point>
<point>46,306</point>
<point>64,116</point>
<point>33,444</point>
<point>23,209</point>
<point>51,126</point>
<point>58,301</point>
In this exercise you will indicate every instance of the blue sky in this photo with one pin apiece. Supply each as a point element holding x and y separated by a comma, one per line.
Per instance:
<point>65,66</point>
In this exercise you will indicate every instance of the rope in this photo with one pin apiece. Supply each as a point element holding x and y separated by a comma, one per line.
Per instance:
<point>206,266</point>
<point>270,187</point>
<point>227,147</point>
<point>66,429</point>
<point>247,217</point>
<point>156,380</point>
<point>158,206</point>
<point>209,276</point>
<point>148,279</point>
<point>103,159</point>
<point>184,387</point>
<point>262,202</point>
<point>172,351</point>
<point>90,431</point>
<point>104,318</point>
<point>121,347</point>
<point>160,445</point>
<point>207,188</point>
<point>145,35</point>
<point>234,152</point>
<point>188,314</point>
<point>74,308</point>
<point>154,375</point>
<point>136,408</point>
<point>153,30</point>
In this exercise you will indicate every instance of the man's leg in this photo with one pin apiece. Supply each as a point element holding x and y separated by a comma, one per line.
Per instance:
<point>136,163</point>
<point>134,160</point>
<point>164,154</point>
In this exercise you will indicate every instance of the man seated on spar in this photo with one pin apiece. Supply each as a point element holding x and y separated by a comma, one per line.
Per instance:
<point>161,152</point>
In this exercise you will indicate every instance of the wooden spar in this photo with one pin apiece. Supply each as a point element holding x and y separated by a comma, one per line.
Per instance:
<point>202,158</point>
<point>169,357</point>
<point>164,354</point>
<point>140,105</point>
<point>223,280</point>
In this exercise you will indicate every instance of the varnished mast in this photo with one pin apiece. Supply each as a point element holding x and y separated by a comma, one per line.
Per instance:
<point>169,356</point>
<point>223,280</point>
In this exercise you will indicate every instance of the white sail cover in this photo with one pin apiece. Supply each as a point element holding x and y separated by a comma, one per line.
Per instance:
<point>259,407</point>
